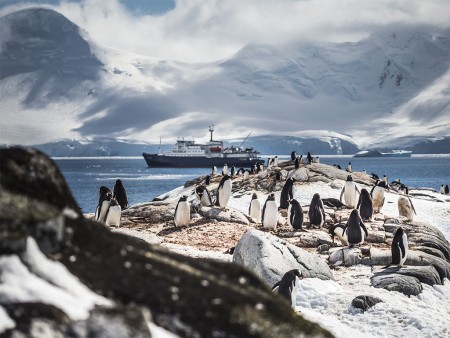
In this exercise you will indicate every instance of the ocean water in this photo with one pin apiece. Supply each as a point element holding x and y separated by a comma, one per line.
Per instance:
<point>86,175</point>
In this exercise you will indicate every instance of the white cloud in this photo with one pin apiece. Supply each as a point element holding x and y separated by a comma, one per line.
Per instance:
<point>200,31</point>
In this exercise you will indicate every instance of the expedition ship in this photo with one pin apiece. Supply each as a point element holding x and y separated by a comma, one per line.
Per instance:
<point>188,154</point>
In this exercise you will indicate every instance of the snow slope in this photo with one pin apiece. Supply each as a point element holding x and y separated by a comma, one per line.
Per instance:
<point>392,84</point>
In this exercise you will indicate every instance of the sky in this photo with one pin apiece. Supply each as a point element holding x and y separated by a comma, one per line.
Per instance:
<point>204,31</point>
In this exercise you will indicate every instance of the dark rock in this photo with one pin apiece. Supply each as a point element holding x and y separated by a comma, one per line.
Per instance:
<point>425,274</point>
<point>323,248</point>
<point>365,302</point>
<point>407,285</point>
<point>188,296</point>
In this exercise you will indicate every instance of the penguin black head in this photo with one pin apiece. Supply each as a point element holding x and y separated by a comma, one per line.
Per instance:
<point>254,196</point>
<point>200,190</point>
<point>399,231</point>
<point>183,198</point>
<point>295,272</point>
<point>271,197</point>
<point>349,178</point>
<point>119,182</point>
<point>103,190</point>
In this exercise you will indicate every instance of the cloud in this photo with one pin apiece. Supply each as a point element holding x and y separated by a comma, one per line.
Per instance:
<point>202,31</point>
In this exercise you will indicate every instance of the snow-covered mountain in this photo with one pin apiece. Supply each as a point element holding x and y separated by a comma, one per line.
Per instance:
<point>55,83</point>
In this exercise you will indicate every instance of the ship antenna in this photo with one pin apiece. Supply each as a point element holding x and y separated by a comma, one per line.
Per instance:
<point>245,139</point>
<point>211,130</point>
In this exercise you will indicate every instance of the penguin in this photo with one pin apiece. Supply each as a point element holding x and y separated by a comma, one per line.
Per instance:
<point>261,167</point>
<point>365,205</point>
<point>213,170</point>
<point>374,176</point>
<point>104,202</point>
<point>288,285</point>
<point>207,180</point>
<point>364,172</point>
<point>316,212</point>
<point>349,191</point>
<point>224,192</point>
<point>278,176</point>
<point>254,169</point>
<point>269,216</point>
<point>309,158</point>
<point>355,229</point>
<point>333,203</point>
<point>338,231</point>
<point>301,160</point>
<point>377,194</point>
<point>406,207</point>
<point>349,167</point>
<point>275,161</point>
<point>339,167</point>
<point>182,212</point>
<point>113,214</point>
<point>120,194</point>
<point>293,156</point>
<point>399,248</point>
<point>246,175</point>
<point>233,170</point>
<point>446,189</point>
<point>442,189</point>
<point>225,170</point>
<point>287,193</point>
<point>270,162</point>
<point>317,159</point>
<point>203,195</point>
<point>254,209</point>
<point>241,171</point>
<point>295,215</point>
<point>297,163</point>
<point>385,179</point>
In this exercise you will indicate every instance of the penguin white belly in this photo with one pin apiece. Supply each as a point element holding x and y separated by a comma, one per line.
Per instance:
<point>339,232</point>
<point>350,195</point>
<point>101,214</point>
<point>362,235</point>
<point>206,200</point>
<point>246,175</point>
<point>405,209</point>
<point>182,214</point>
<point>294,293</point>
<point>405,245</point>
<point>255,209</point>
<point>113,218</point>
<point>289,215</point>
<point>225,194</point>
<point>378,199</point>
<point>270,215</point>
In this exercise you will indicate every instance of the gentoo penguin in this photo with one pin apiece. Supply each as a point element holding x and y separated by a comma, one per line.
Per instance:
<point>333,203</point>
<point>246,175</point>
<point>275,161</point>
<point>374,176</point>
<point>182,212</point>
<point>349,167</point>
<point>287,193</point>
<point>269,216</point>
<point>295,215</point>
<point>104,202</point>
<point>377,194</point>
<point>278,176</point>
<point>316,212</point>
<point>293,156</point>
<point>405,207</point>
<point>301,159</point>
<point>355,229</point>
<point>309,158</point>
<point>225,170</point>
<point>120,195</point>
<point>442,189</point>
<point>270,162</point>
<point>365,205</point>
<point>207,180</point>
<point>317,159</point>
<point>113,215</point>
<point>261,167</point>
<point>288,285</point>
<point>338,230</point>
<point>203,195</point>
<point>213,170</point>
<point>254,209</point>
<point>223,192</point>
<point>349,191</point>
<point>297,163</point>
<point>233,170</point>
<point>254,169</point>
<point>385,179</point>
<point>241,171</point>
<point>399,248</point>
<point>446,190</point>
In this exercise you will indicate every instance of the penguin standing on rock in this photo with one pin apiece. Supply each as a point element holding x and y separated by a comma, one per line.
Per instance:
<point>207,180</point>
<point>293,156</point>
<point>399,248</point>
<point>203,195</point>
<point>223,192</point>
<point>377,194</point>
<point>254,210</point>
<point>316,212</point>
<point>182,212</point>
<point>120,194</point>
<point>269,217</point>
<point>349,191</point>
<point>349,167</point>
<point>104,202</point>
<point>297,163</point>
<point>446,189</point>
<point>288,285</point>
<point>406,207</point>
<point>365,205</point>
<point>213,170</point>
<point>295,215</point>
<point>355,229</point>
<point>113,214</point>
<point>287,193</point>
<point>225,170</point>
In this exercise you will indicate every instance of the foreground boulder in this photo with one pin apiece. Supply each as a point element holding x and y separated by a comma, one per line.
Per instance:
<point>190,297</point>
<point>270,258</point>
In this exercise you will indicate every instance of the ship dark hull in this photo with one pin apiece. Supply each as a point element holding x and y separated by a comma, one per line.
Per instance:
<point>162,161</point>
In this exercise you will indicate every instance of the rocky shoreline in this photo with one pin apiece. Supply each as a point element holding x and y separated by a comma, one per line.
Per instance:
<point>147,271</point>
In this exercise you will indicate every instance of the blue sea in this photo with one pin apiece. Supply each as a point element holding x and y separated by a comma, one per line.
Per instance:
<point>86,175</point>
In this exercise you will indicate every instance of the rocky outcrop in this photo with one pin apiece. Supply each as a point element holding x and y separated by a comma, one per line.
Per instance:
<point>228,299</point>
<point>230,215</point>
<point>365,302</point>
<point>270,258</point>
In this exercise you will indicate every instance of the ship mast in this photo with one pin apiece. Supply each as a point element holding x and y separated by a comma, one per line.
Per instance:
<point>211,130</point>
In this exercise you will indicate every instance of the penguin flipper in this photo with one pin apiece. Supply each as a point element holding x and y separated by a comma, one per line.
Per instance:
<point>342,193</point>
<point>364,228</point>
<point>371,191</point>
<point>412,206</point>
<point>276,286</point>
<point>402,248</point>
